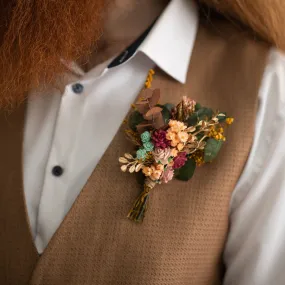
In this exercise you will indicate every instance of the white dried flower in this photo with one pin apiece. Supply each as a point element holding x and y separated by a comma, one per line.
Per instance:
<point>132,168</point>
<point>123,160</point>
<point>124,168</point>
<point>129,156</point>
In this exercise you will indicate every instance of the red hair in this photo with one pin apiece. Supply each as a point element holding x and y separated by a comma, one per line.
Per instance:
<point>266,19</point>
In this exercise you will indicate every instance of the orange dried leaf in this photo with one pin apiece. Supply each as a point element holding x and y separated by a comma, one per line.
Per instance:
<point>155,98</point>
<point>155,111</point>
<point>142,106</point>
<point>143,127</point>
<point>159,122</point>
<point>146,94</point>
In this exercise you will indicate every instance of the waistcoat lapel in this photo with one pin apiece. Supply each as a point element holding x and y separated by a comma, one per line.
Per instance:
<point>18,255</point>
<point>182,237</point>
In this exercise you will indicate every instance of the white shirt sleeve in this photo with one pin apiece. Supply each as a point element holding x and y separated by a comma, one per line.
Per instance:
<point>255,249</point>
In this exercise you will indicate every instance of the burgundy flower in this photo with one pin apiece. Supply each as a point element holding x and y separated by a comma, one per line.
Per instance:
<point>179,160</point>
<point>159,139</point>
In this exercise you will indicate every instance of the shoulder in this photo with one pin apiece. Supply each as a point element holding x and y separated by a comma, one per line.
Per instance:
<point>257,206</point>
<point>275,62</point>
<point>266,156</point>
<point>272,89</point>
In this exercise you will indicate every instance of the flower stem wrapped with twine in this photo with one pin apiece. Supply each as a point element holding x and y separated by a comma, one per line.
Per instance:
<point>137,213</point>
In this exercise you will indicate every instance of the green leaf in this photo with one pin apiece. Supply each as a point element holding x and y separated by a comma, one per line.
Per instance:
<point>212,149</point>
<point>166,111</point>
<point>187,171</point>
<point>199,136</point>
<point>198,106</point>
<point>135,119</point>
<point>222,118</point>
<point>193,119</point>
<point>166,114</point>
<point>169,107</point>
<point>204,113</point>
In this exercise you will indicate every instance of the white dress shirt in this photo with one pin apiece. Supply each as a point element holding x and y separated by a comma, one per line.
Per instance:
<point>69,130</point>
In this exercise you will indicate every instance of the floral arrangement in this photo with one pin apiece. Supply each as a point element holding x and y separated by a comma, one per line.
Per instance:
<point>171,141</point>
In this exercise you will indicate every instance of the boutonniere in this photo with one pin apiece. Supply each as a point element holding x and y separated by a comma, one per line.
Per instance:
<point>170,141</point>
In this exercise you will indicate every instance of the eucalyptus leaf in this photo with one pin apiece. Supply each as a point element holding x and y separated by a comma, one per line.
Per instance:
<point>135,119</point>
<point>212,149</point>
<point>187,171</point>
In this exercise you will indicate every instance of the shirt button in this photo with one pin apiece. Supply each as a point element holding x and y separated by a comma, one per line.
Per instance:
<point>57,170</point>
<point>77,88</point>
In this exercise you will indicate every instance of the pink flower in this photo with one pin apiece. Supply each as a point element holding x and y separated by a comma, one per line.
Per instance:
<point>161,155</point>
<point>167,175</point>
<point>180,160</point>
<point>159,139</point>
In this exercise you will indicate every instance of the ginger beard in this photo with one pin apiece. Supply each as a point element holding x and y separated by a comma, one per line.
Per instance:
<point>36,34</point>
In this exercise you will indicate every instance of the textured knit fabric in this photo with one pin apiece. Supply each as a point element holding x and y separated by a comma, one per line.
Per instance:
<point>18,255</point>
<point>183,235</point>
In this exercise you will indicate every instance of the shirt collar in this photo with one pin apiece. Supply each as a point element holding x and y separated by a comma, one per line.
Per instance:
<point>171,40</point>
<point>169,43</point>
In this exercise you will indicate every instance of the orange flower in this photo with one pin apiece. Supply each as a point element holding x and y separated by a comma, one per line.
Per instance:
<point>176,126</point>
<point>174,142</point>
<point>183,136</point>
<point>180,146</point>
<point>147,171</point>
<point>159,167</point>
<point>156,174</point>
<point>174,152</point>
<point>170,135</point>
<point>172,123</point>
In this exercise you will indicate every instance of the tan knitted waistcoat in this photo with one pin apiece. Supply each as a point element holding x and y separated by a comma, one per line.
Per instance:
<point>182,237</point>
